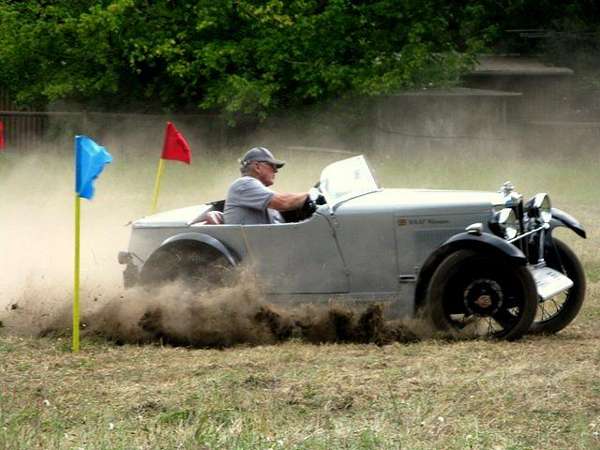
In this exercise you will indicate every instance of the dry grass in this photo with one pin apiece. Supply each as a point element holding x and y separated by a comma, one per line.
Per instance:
<point>538,393</point>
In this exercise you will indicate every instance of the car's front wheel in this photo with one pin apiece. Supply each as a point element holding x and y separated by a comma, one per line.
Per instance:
<point>482,294</point>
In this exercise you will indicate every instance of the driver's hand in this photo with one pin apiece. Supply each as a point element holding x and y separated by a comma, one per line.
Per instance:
<point>309,206</point>
<point>315,196</point>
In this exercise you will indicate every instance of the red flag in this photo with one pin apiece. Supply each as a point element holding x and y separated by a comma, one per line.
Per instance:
<point>1,135</point>
<point>176,147</point>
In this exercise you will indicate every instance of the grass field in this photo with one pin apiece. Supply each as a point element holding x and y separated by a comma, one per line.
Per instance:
<point>538,393</point>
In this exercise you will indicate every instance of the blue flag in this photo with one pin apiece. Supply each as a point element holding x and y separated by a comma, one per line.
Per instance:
<point>90,159</point>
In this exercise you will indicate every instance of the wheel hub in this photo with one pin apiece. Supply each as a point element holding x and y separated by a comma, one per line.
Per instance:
<point>483,297</point>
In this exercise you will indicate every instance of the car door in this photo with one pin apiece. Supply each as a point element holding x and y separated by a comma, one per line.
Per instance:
<point>293,258</point>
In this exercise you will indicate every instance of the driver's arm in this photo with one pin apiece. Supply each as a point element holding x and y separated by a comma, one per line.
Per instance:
<point>286,201</point>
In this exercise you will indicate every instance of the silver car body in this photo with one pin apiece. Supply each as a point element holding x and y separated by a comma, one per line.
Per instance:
<point>366,243</point>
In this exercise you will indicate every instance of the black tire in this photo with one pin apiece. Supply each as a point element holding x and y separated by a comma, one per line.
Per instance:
<point>559,311</point>
<point>198,266</point>
<point>480,294</point>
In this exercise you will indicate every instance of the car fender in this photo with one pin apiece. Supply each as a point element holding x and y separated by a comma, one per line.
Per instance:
<point>205,239</point>
<point>482,242</point>
<point>563,219</point>
<point>485,241</point>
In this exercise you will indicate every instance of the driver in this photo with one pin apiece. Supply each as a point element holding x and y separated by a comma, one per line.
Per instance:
<point>249,199</point>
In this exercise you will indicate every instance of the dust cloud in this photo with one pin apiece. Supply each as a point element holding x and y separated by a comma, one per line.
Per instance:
<point>36,264</point>
<point>37,239</point>
<point>178,315</point>
<point>37,229</point>
<point>224,317</point>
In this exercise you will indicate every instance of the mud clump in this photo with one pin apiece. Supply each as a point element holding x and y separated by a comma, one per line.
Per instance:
<point>345,325</point>
<point>281,327</point>
<point>265,324</point>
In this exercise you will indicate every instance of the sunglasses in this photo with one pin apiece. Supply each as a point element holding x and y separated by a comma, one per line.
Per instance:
<point>272,166</point>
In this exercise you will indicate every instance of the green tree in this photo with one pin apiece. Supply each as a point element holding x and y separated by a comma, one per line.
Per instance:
<point>246,56</point>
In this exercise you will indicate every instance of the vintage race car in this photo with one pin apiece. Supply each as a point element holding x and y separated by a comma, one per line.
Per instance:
<point>473,262</point>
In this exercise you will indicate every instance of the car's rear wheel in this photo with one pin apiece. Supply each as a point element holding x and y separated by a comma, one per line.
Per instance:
<point>557,312</point>
<point>198,266</point>
<point>482,294</point>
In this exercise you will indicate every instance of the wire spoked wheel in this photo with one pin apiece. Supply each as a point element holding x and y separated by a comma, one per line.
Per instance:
<point>479,294</point>
<point>557,312</point>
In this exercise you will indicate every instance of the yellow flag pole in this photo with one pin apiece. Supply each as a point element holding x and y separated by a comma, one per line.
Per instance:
<point>75,343</point>
<point>159,172</point>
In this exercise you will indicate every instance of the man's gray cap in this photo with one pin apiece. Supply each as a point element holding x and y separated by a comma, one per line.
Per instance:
<point>260,154</point>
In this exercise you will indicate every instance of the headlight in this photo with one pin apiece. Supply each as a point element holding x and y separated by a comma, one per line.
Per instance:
<point>540,207</point>
<point>505,224</point>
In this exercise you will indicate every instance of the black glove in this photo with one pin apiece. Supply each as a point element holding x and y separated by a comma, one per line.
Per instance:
<point>316,197</point>
<point>309,206</point>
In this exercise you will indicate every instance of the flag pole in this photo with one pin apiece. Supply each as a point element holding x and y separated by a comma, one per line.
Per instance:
<point>75,343</point>
<point>159,172</point>
<point>90,159</point>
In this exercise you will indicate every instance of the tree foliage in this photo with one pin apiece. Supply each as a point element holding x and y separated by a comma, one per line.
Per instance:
<point>244,56</point>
